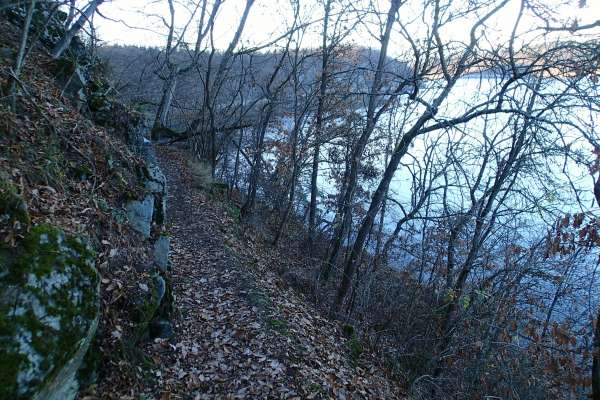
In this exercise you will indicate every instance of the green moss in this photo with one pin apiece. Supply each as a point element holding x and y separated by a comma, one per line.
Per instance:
<point>123,187</point>
<point>146,306</point>
<point>103,204</point>
<point>110,161</point>
<point>348,330</point>
<point>219,191</point>
<point>353,344</point>
<point>131,187</point>
<point>50,165</point>
<point>219,188</point>
<point>87,374</point>
<point>82,172</point>
<point>159,216</point>
<point>316,388</point>
<point>13,209</point>
<point>156,303</point>
<point>355,349</point>
<point>165,310</point>
<point>49,299</point>
<point>98,102</point>
<point>65,66</point>
<point>130,351</point>
<point>276,324</point>
<point>259,299</point>
<point>233,210</point>
<point>141,172</point>
<point>119,215</point>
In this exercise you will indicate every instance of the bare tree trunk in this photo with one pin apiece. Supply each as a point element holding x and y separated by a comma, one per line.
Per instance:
<point>170,81</point>
<point>312,209</point>
<point>379,235</point>
<point>293,179</point>
<point>21,55</point>
<point>236,167</point>
<point>174,69</point>
<point>377,199</point>
<point>71,15</point>
<point>365,227</point>
<point>288,208</point>
<point>218,81</point>
<point>339,213</point>
<point>64,43</point>
<point>267,113</point>
<point>362,142</point>
<point>596,348</point>
<point>255,173</point>
<point>166,99</point>
<point>508,172</point>
<point>399,151</point>
<point>383,257</point>
<point>596,361</point>
<point>312,213</point>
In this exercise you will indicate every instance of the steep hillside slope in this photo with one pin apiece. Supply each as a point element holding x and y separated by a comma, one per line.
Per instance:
<point>81,215</point>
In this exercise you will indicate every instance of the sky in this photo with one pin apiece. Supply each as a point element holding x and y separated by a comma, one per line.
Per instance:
<point>141,22</point>
<point>146,27</point>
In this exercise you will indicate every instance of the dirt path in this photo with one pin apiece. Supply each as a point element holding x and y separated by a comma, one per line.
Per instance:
<point>239,331</point>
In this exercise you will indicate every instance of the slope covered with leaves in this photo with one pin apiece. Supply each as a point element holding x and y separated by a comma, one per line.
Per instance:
<point>240,331</point>
<point>69,170</point>
<point>71,173</point>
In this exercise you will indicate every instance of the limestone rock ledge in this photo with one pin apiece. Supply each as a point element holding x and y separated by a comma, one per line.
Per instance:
<point>49,312</point>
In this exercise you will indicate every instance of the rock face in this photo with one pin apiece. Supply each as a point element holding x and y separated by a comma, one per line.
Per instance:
<point>148,304</point>
<point>161,252</point>
<point>49,311</point>
<point>139,214</point>
<point>160,328</point>
<point>148,216</point>
<point>151,210</point>
<point>156,183</point>
<point>74,83</point>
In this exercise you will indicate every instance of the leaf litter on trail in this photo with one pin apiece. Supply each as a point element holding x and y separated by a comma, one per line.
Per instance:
<point>240,331</point>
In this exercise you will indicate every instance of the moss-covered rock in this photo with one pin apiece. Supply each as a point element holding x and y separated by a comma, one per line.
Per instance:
<point>147,305</point>
<point>49,310</point>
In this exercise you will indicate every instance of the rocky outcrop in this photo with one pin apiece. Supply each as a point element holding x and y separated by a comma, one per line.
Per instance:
<point>148,216</point>
<point>49,311</point>
<point>49,287</point>
<point>140,215</point>
<point>49,305</point>
<point>161,253</point>
<point>71,78</point>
